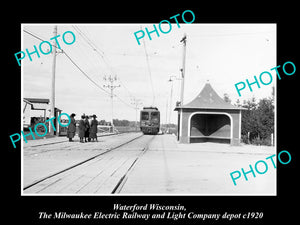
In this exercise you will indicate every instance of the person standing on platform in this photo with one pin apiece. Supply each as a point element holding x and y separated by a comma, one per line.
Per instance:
<point>71,130</point>
<point>87,129</point>
<point>81,128</point>
<point>94,129</point>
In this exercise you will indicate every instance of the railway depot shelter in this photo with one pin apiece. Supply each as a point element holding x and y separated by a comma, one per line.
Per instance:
<point>208,118</point>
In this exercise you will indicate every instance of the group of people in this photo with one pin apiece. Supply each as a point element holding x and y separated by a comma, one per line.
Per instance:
<point>87,131</point>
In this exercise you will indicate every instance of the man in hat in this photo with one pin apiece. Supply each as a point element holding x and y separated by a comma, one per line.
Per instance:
<point>71,130</point>
<point>94,129</point>
<point>81,128</point>
<point>87,129</point>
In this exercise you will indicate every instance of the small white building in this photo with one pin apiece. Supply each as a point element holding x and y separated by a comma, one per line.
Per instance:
<point>37,110</point>
<point>27,107</point>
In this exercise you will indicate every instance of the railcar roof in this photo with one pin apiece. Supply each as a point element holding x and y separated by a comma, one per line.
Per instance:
<point>150,108</point>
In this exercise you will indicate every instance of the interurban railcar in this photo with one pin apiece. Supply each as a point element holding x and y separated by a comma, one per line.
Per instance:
<point>150,120</point>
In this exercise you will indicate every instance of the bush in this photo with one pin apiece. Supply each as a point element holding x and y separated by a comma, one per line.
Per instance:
<point>256,140</point>
<point>259,141</point>
<point>258,121</point>
<point>244,139</point>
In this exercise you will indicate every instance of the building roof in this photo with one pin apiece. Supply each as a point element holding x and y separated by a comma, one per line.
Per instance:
<point>38,100</point>
<point>208,99</point>
<point>28,102</point>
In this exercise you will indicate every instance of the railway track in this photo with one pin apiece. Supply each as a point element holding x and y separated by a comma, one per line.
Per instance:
<point>59,142</point>
<point>105,173</point>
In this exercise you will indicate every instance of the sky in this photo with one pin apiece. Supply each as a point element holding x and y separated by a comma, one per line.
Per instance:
<point>221,54</point>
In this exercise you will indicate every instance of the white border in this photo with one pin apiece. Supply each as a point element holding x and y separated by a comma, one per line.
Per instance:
<point>21,102</point>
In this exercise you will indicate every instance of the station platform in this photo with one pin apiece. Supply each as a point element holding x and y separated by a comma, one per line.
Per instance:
<point>148,165</point>
<point>43,157</point>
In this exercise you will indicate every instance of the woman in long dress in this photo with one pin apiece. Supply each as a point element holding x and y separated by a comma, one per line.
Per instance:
<point>81,128</point>
<point>93,129</point>
<point>87,129</point>
<point>71,128</point>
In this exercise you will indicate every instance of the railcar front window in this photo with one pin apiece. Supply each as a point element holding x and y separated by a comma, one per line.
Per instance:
<point>145,116</point>
<point>154,114</point>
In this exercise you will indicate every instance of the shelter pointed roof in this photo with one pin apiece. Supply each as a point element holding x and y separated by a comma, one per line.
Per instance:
<point>208,99</point>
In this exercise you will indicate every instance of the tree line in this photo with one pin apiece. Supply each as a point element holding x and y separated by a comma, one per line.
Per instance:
<point>117,122</point>
<point>257,120</point>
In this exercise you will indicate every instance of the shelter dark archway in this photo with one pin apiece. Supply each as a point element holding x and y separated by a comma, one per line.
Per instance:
<point>209,118</point>
<point>210,127</point>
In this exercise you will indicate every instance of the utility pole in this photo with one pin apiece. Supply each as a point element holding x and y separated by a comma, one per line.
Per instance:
<point>52,100</point>
<point>171,79</point>
<point>167,109</point>
<point>136,103</point>
<point>183,40</point>
<point>111,86</point>
<point>171,97</point>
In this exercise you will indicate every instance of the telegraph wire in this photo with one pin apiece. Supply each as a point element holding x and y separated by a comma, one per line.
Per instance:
<point>72,61</point>
<point>129,92</point>
<point>30,33</point>
<point>89,61</point>
<point>149,70</point>
<point>103,57</point>
<point>94,48</point>
<point>88,41</point>
<point>124,101</point>
<point>85,74</point>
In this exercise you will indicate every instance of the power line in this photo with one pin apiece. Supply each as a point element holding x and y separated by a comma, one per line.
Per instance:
<point>88,60</point>
<point>94,48</point>
<point>37,37</point>
<point>123,101</point>
<point>85,74</point>
<point>72,61</point>
<point>88,41</point>
<point>129,92</point>
<point>30,33</point>
<point>104,58</point>
<point>148,65</point>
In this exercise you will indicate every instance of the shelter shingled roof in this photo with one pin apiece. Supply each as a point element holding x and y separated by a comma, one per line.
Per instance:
<point>208,99</point>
